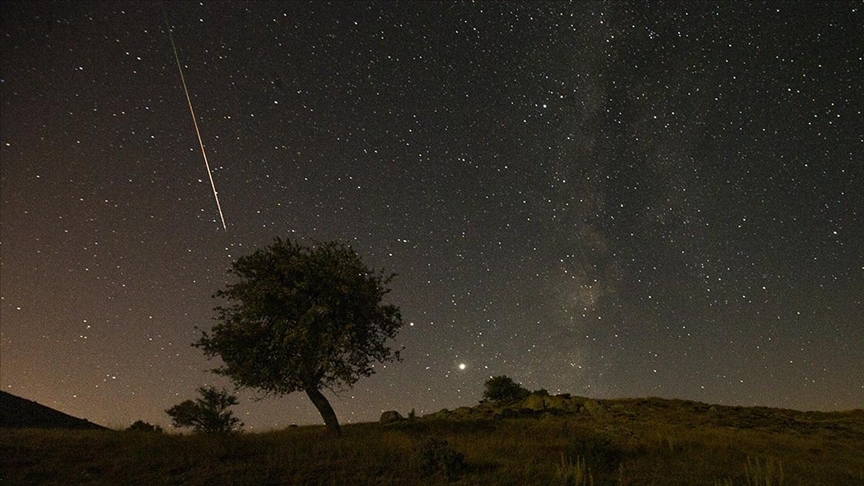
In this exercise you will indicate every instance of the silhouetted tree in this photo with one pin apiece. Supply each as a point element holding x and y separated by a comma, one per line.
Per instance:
<point>142,426</point>
<point>302,319</point>
<point>207,414</point>
<point>504,389</point>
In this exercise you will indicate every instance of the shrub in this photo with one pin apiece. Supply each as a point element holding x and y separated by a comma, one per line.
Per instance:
<point>206,414</point>
<point>437,458</point>
<point>142,426</point>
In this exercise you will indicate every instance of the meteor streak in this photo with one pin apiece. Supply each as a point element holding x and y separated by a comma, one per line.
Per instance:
<point>195,122</point>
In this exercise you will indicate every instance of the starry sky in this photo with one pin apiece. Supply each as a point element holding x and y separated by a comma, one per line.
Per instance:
<point>609,199</point>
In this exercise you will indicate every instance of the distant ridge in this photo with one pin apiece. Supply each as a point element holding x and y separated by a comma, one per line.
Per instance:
<point>18,413</point>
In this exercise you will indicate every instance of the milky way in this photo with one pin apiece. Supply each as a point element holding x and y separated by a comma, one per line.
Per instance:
<point>605,199</point>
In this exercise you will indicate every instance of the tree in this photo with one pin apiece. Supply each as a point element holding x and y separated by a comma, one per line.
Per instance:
<point>504,389</point>
<point>142,426</point>
<point>302,319</point>
<point>207,414</point>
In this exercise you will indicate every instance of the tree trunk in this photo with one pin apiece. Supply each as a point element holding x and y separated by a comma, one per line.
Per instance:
<point>324,408</point>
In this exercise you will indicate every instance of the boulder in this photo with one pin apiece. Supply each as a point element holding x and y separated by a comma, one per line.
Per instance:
<point>390,417</point>
<point>574,404</point>
<point>534,402</point>
<point>594,409</point>
<point>556,403</point>
<point>441,414</point>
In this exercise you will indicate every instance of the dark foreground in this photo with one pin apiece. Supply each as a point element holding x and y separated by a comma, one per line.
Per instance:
<point>635,442</point>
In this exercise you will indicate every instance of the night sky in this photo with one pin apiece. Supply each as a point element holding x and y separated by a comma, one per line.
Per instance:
<point>606,199</point>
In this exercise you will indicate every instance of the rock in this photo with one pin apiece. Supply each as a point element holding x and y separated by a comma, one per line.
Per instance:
<point>574,404</point>
<point>594,409</point>
<point>441,414</point>
<point>390,417</point>
<point>556,403</point>
<point>534,402</point>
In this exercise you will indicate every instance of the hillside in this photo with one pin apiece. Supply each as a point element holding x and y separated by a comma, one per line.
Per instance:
<point>17,412</point>
<point>666,411</point>
<point>541,440</point>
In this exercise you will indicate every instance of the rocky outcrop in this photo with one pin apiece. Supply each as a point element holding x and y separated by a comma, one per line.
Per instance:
<point>534,404</point>
<point>555,404</point>
<point>594,409</point>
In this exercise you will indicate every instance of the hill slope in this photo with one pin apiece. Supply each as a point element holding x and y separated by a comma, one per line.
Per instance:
<point>17,412</point>
<point>542,440</point>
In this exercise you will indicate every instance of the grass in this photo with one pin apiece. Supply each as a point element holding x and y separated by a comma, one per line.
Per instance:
<point>646,442</point>
<point>574,473</point>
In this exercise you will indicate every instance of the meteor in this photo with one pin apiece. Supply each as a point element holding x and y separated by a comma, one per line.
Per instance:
<point>195,122</point>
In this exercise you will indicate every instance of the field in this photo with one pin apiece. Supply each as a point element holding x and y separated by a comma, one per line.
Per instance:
<point>627,442</point>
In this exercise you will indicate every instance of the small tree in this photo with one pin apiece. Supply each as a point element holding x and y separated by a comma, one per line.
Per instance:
<point>302,319</point>
<point>504,389</point>
<point>142,426</point>
<point>206,414</point>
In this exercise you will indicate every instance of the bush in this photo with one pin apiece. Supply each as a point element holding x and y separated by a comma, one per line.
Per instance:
<point>207,414</point>
<point>142,426</point>
<point>504,389</point>
<point>437,458</point>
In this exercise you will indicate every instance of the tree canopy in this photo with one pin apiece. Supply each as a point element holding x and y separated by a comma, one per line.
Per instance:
<point>504,389</point>
<point>302,318</point>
